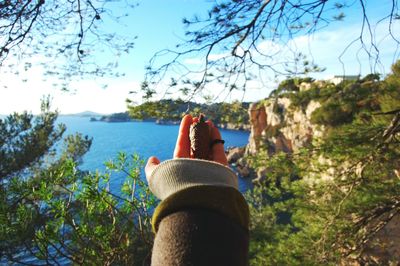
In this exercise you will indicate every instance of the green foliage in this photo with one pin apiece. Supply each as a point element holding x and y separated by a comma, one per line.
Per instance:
<point>332,113</point>
<point>371,77</point>
<point>390,100</point>
<point>53,212</point>
<point>324,204</point>
<point>25,139</point>
<point>288,85</point>
<point>303,98</point>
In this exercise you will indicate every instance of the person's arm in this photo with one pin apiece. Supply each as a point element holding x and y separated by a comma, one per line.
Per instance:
<point>202,218</point>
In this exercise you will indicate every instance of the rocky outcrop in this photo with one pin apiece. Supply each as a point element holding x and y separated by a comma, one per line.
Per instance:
<point>235,156</point>
<point>257,117</point>
<point>277,126</point>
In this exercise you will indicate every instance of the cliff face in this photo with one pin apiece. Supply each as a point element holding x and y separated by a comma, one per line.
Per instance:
<point>277,126</point>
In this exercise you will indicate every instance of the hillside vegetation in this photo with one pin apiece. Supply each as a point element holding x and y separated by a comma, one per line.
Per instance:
<point>336,200</point>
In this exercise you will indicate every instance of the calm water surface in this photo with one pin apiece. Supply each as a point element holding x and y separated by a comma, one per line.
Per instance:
<point>144,138</point>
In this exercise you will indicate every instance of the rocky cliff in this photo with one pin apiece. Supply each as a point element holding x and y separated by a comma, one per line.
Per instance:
<point>278,126</point>
<point>275,124</point>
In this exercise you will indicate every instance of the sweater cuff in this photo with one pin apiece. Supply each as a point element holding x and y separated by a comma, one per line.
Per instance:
<point>174,175</point>
<point>224,200</point>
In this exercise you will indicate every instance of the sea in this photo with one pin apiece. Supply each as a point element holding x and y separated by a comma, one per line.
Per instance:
<point>143,138</point>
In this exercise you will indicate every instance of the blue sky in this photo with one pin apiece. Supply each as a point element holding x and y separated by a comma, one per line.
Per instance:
<point>157,23</point>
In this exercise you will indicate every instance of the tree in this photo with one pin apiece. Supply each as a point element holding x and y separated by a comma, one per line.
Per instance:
<point>66,35</point>
<point>51,212</point>
<point>24,143</point>
<point>238,41</point>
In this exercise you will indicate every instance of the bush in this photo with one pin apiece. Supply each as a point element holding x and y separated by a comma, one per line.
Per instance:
<point>333,114</point>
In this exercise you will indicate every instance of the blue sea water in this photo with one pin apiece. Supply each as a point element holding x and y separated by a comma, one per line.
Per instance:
<point>144,138</point>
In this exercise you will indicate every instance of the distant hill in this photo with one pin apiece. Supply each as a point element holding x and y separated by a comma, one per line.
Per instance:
<point>116,117</point>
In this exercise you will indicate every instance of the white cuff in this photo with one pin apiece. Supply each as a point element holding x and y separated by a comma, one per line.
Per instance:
<point>174,175</point>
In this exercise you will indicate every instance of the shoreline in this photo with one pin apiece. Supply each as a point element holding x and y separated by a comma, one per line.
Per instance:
<point>162,122</point>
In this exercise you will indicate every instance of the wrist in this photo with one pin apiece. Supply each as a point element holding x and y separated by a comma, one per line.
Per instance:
<point>174,175</point>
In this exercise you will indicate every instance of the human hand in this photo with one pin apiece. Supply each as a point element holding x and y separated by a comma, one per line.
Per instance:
<point>182,147</point>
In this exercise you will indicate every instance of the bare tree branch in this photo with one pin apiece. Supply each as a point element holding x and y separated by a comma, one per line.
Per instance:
<point>257,36</point>
<point>66,34</point>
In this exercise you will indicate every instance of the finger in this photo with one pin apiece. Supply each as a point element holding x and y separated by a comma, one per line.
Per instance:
<point>182,147</point>
<point>210,126</point>
<point>210,123</point>
<point>218,152</point>
<point>151,164</point>
<point>194,120</point>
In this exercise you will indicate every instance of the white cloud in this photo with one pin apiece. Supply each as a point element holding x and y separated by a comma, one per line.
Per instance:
<point>329,48</point>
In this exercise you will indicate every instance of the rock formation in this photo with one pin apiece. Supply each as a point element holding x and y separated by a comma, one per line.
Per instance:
<point>235,156</point>
<point>277,126</point>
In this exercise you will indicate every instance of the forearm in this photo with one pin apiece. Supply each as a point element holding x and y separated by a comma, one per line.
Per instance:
<point>200,237</point>
<point>202,219</point>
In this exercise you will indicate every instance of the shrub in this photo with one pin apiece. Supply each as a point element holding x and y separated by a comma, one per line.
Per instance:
<point>332,114</point>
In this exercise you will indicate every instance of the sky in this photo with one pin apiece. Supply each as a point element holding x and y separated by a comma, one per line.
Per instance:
<point>157,23</point>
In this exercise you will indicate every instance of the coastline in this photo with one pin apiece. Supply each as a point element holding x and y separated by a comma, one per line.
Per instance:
<point>166,122</point>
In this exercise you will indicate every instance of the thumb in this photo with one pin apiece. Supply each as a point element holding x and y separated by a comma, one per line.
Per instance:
<point>151,164</point>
